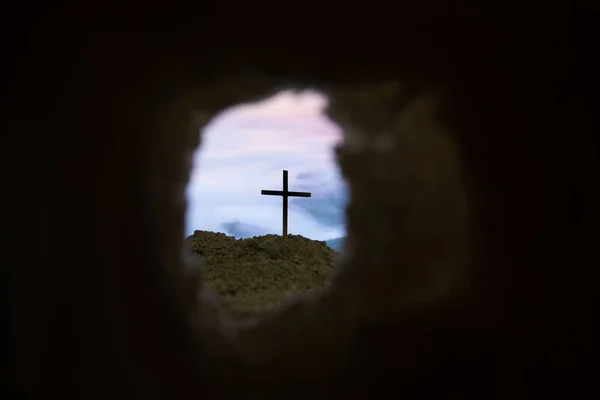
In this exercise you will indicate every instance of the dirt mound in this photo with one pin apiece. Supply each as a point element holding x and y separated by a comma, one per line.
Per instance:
<point>257,274</point>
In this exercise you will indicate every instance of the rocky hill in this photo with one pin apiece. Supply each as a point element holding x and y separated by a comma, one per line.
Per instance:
<point>255,275</point>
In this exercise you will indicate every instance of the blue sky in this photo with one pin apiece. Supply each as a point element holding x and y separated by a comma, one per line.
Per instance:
<point>246,148</point>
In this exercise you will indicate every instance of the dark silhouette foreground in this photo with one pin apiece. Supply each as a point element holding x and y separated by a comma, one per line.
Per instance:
<point>104,114</point>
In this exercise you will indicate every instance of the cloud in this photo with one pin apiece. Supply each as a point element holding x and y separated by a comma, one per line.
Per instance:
<point>245,150</point>
<point>241,230</point>
<point>329,197</point>
<point>283,105</point>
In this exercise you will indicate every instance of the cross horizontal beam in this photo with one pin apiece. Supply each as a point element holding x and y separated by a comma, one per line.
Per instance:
<point>282,193</point>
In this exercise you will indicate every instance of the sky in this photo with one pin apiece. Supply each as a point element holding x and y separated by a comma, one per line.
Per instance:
<point>246,148</point>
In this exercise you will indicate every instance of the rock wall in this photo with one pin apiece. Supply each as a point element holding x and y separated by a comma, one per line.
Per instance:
<point>470,153</point>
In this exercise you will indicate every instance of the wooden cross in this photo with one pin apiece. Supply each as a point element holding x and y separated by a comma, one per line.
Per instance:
<point>285,195</point>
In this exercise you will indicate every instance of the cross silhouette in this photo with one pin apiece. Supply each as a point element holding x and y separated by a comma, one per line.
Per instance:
<point>285,194</point>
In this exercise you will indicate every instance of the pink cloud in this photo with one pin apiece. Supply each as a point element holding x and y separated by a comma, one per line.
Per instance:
<point>284,105</point>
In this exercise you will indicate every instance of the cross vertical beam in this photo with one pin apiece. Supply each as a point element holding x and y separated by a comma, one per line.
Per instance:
<point>285,203</point>
<point>285,194</point>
